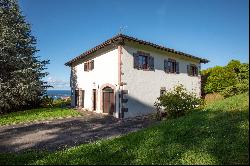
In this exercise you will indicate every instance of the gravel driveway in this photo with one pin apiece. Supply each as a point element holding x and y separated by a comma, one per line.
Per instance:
<point>58,134</point>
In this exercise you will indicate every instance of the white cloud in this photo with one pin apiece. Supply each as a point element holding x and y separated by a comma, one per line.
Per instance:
<point>58,84</point>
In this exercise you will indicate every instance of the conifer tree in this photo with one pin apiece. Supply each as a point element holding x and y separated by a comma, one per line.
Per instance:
<point>21,72</point>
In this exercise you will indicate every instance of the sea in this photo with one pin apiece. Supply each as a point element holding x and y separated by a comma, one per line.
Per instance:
<point>57,94</point>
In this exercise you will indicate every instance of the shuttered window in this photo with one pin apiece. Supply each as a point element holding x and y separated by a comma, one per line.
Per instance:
<point>143,61</point>
<point>89,65</point>
<point>192,70</point>
<point>171,66</point>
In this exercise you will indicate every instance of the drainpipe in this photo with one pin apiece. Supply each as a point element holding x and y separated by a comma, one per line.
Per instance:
<point>120,44</point>
<point>119,79</point>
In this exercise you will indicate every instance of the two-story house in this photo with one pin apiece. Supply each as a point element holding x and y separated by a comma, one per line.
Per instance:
<point>124,76</point>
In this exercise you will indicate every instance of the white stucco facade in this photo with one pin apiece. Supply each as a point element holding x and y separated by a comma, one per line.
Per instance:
<point>105,73</point>
<point>144,86</point>
<point>114,68</point>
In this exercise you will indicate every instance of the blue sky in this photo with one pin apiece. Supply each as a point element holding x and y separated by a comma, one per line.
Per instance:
<point>214,29</point>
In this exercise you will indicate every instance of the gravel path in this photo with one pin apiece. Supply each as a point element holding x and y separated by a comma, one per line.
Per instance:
<point>58,134</point>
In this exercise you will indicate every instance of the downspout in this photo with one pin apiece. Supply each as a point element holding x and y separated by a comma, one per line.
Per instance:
<point>119,78</point>
<point>120,43</point>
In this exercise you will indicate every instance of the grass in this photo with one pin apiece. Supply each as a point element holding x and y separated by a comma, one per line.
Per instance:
<point>218,134</point>
<point>38,114</point>
<point>211,98</point>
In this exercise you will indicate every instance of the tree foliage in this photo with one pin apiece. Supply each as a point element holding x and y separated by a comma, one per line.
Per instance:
<point>229,80</point>
<point>178,101</point>
<point>21,72</point>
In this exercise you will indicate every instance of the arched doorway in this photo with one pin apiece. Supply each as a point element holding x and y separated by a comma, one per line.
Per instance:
<point>108,100</point>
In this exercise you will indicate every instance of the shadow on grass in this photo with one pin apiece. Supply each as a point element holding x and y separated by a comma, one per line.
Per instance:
<point>200,137</point>
<point>203,137</point>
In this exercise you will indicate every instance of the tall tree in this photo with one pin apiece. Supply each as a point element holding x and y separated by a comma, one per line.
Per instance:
<point>21,72</point>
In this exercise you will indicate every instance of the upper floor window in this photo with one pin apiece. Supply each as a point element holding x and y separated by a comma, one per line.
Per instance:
<point>171,66</point>
<point>192,70</point>
<point>143,61</point>
<point>89,65</point>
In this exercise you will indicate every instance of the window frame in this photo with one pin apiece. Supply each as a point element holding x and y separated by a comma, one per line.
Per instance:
<point>143,61</point>
<point>89,65</point>
<point>193,70</point>
<point>171,66</point>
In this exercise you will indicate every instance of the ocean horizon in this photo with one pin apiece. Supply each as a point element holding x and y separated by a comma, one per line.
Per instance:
<point>55,94</point>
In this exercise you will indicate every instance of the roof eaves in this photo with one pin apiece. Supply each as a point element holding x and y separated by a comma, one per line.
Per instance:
<point>202,60</point>
<point>105,43</point>
<point>122,37</point>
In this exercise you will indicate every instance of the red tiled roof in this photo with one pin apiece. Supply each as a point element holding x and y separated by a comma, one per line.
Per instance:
<point>120,37</point>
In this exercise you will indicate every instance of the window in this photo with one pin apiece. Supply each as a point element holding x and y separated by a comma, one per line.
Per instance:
<point>171,66</point>
<point>192,70</point>
<point>143,61</point>
<point>162,91</point>
<point>89,65</point>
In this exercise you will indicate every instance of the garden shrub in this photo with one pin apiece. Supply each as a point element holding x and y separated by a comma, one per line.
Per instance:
<point>46,101</point>
<point>235,89</point>
<point>177,102</point>
<point>62,102</point>
<point>228,80</point>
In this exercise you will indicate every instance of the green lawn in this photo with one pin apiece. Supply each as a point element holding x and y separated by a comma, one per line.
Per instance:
<point>38,114</point>
<point>216,135</point>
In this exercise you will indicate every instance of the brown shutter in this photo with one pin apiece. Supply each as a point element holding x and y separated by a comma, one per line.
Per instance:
<point>136,61</point>
<point>165,65</point>
<point>88,64</point>
<point>92,64</point>
<point>177,68</point>
<point>188,70</point>
<point>148,62</point>
<point>151,63</point>
<point>196,71</point>
<point>85,66</point>
<point>169,66</point>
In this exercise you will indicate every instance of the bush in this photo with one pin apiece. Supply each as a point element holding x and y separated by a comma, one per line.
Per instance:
<point>228,80</point>
<point>62,102</point>
<point>177,102</point>
<point>46,101</point>
<point>235,89</point>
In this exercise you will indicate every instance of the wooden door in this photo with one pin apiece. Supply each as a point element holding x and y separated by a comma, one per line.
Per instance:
<point>76,98</point>
<point>108,100</point>
<point>94,99</point>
